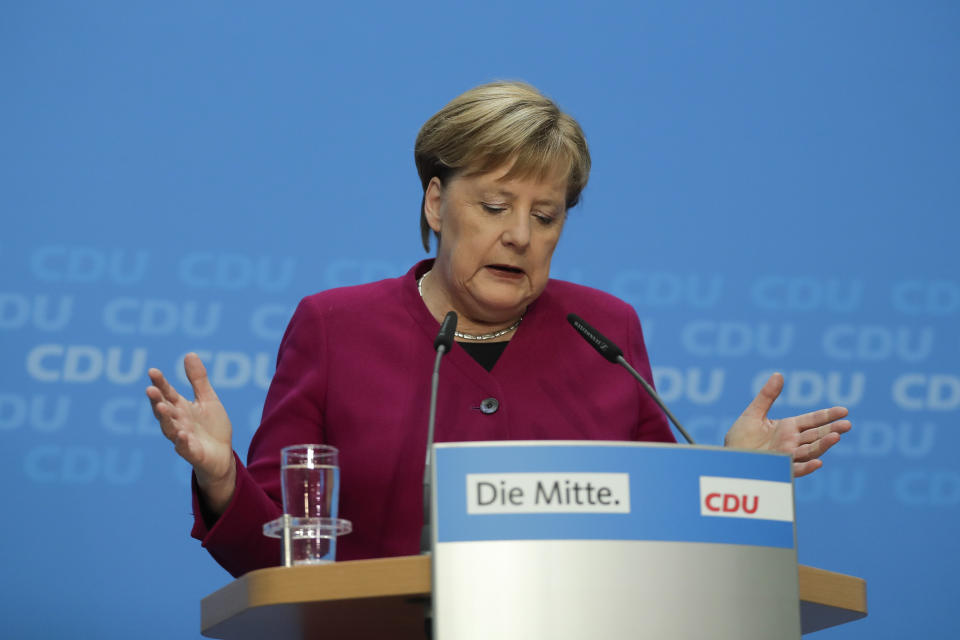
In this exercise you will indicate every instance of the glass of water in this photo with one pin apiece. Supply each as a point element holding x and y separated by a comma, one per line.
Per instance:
<point>310,480</point>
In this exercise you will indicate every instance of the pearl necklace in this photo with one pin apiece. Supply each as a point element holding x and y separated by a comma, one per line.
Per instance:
<point>470,336</point>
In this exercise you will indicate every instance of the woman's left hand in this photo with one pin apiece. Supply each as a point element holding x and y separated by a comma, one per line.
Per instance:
<point>805,437</point>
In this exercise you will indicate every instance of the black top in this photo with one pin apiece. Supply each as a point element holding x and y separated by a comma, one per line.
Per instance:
<point>485,353</point>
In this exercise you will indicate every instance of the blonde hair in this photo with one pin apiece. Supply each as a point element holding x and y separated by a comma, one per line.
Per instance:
<point>496,123</point>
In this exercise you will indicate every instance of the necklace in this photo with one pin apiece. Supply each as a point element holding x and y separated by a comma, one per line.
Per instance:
<point>470,336</point>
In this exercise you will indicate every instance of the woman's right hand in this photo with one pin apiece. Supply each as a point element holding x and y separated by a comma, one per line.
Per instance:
<point>200,431</point>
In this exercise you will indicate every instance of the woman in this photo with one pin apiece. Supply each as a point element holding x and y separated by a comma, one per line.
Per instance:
<point>500,168</point>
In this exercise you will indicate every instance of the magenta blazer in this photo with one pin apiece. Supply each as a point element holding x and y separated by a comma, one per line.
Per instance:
<point>353,371</point>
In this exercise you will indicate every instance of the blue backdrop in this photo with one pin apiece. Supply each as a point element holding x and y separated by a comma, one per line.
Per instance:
<point>774,188</point>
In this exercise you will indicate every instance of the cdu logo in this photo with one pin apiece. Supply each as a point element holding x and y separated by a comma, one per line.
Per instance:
<point>726,339</point>
<point>43,312</point>
<point>234,271</point>
<point>923,298</point>
<point>86,265</point>
<point>668,290</point>
<point>695,384</point>
<point>744,498</point>
<point>780,293</point>
<point>732,503</point>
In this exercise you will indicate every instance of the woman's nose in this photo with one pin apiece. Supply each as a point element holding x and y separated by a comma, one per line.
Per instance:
<point>517,232</point>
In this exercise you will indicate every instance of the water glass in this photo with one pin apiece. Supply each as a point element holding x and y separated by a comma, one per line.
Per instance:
<point>310,481</point>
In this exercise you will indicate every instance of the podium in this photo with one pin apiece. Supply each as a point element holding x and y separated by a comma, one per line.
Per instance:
<point>385,598</point>
<point>570,540</point>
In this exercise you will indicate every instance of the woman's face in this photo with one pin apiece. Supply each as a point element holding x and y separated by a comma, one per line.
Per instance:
<point>498,237</point>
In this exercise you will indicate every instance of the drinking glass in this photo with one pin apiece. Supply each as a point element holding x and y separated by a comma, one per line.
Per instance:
<point>310,481</point>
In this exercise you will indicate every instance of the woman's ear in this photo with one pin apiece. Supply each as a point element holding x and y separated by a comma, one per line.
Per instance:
<point>432,203</point>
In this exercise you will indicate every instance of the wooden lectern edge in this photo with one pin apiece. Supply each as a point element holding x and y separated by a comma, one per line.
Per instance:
<point>834,589</point>
<point>409,576</point>
<point>348,580</point>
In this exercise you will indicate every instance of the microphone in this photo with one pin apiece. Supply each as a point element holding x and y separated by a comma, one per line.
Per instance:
<point>447,328</point>
<point>614,354</point>
<point>441,344</point>
<point>603,346</point>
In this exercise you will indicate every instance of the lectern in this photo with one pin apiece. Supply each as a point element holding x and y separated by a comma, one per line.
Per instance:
<point>569,540</point>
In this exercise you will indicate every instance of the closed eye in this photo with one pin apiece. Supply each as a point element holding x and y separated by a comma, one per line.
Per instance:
<point>492,208</point>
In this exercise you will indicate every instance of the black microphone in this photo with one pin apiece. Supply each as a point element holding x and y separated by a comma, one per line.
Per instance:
<point>442,344</point>
<point>614,354</point>
<point>603,346</point>
<point>447,328</point>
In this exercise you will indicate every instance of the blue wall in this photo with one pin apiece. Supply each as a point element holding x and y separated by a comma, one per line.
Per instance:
<point>774,188</point>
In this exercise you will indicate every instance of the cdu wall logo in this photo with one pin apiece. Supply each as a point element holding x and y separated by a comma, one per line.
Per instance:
<point>85,363</point>
<point>805,294</point>
<point>705,338</point>
<point>646,290</point>
<point>916,391</point>
<point>157,317</point>
<point>235,271</point>
<point>696,385</point>
<point>926,298</point>
<point>39,311</point>
<point>88,265</point>
<point>39,412</point>
<point>878,343</point>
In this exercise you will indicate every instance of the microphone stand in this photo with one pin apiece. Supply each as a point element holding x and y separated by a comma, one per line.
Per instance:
<point>443,343</point>
<point>614,354</point>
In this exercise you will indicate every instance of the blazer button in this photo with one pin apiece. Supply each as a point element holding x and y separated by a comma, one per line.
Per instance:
<point>490,405</point>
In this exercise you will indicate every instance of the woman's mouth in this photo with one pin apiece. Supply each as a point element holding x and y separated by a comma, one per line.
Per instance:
<point>505,270</point>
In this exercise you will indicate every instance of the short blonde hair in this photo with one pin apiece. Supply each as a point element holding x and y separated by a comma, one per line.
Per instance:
<point>496,123</point>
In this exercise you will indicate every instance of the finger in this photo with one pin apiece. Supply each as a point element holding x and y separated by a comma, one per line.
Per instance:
<point>156,401</point>
<point>840,426</point>
<point>812,435</point>
<point>197,375</point>
<point>760,405</point>
<point>156,398</point>
<point>167,416</point>
<point>816,449</point>
<point>818,418</point>
<point>801,469</point>
<point>160,382</point>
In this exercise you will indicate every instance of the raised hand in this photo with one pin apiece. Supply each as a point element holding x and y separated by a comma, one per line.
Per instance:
<point>200,430</point>
<point>806,437</point>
